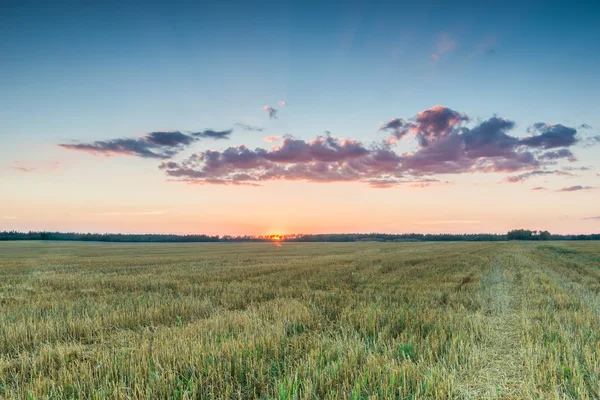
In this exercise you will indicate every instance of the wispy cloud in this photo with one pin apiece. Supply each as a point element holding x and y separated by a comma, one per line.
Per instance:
<point>272,112</point>
<point>24,169</point>
<point>211,134</point>
<point>10,217</point>
<point>539,188</point>
<point>594,218</point>
<point>445,44</point>
<point>160,145</point>
<point>249,128</point>
<point>575,188</point>
<point>523,177</point>
<point>486,46</point>
<point>129,213</point>
<point>592,141</point>
<point>28,167</point>
<point>271,139</point>
<point>569,168</point>
<point>414,183</point>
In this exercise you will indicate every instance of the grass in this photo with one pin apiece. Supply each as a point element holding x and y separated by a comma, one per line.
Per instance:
<point>300,321</point>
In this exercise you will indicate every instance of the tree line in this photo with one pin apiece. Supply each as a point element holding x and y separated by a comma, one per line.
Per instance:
<point>517,234</point>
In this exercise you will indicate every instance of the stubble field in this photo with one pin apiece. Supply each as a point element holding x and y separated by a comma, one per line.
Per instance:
<point>300,321</point>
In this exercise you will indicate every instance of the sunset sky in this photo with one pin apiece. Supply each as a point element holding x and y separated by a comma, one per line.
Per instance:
<point>237,117</point>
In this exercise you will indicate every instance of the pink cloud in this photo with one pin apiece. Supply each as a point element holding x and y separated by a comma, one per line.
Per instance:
<point>445,44</point>
<point>446,145</point>
<point>271,139</point>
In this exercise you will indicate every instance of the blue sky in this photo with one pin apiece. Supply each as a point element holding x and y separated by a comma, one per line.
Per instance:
<point>72,72</point>
<point>112,69</point>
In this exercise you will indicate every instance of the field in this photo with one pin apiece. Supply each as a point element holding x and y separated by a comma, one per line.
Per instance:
<point>300,321</point>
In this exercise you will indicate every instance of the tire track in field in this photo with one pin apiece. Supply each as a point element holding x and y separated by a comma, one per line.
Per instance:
<point>498,361</point>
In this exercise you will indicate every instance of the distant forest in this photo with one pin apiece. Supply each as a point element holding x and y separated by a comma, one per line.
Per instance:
<point>518,234</point>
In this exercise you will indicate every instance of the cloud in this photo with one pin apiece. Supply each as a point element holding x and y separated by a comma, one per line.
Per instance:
<point>169,139</point>
<point>27,167</point>
<point>399,126</point>
<point>283,103</point>
<point>592,218</point>
<point>527,175</point>
<point>523,177</point>
<point>271,139</point>
<point>272,112</point>
<point>436,122</point>
<point>449,147</point>
<point>23,169</point>
<point>575,188</point>
<point>576,168</point>
<point>443,150</point>
<point>210,134</point>
<point>539,188</point>
<point>584,126</point>
<point>161,145</point>
<point>592,141</point>
<point>129,213</point>
<point>444,45</point>
<point>324,159</point>
<point>10,217</point>
<point>490,138</point>
<point>131,147</point>
<point>550,136</point>
<point>388,183</point>
<point>558,154</point>
<point>445,145</point>
<point>249,128</point>
<point>428,125</point>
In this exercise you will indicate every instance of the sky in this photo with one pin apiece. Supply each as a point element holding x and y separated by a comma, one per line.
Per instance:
<point>234,117</point>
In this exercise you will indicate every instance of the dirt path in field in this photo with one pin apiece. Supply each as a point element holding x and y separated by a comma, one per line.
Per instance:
<point>498,362</point>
